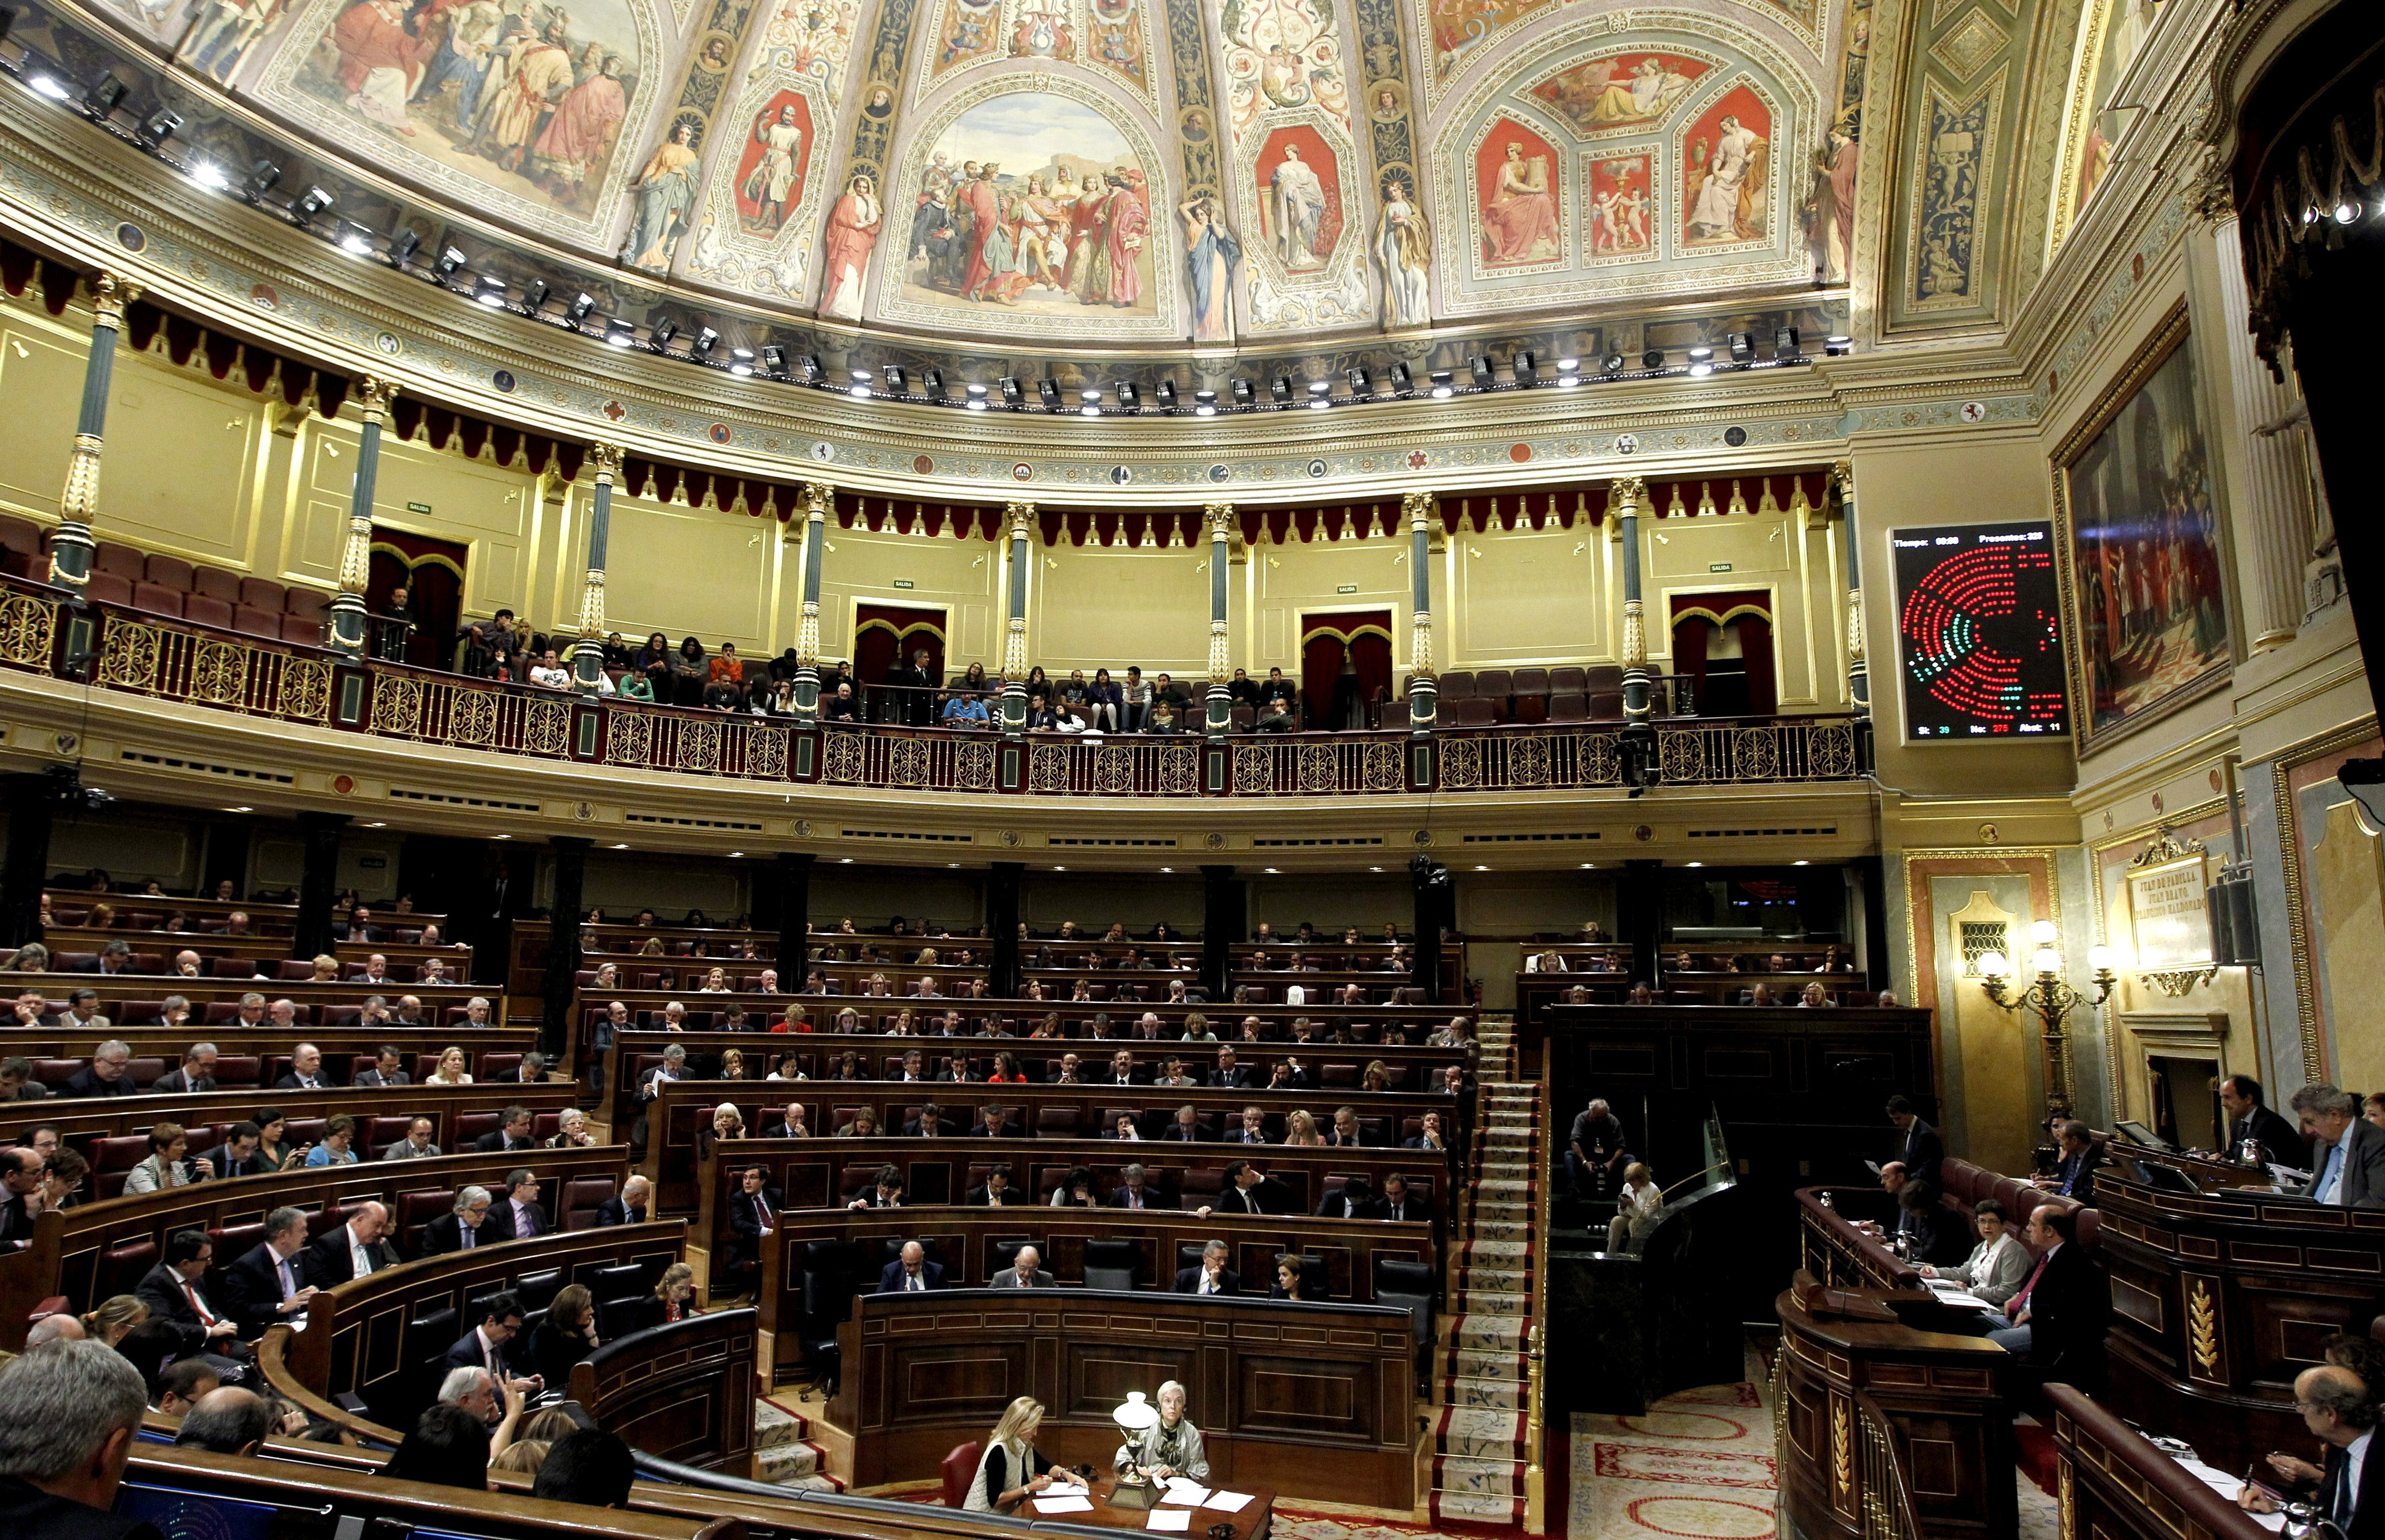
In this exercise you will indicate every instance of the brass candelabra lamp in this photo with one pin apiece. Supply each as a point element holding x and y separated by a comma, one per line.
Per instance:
<point>2051,999</point>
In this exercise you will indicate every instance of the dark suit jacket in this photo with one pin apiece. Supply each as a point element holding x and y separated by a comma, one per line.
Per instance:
<point>1922,1151</point>
<point>614,1212</point>
<point>2364,1166</point>
<point>2369,1504</point>
<point>249,1289</point>
<point>1199,1135</point>
<point>375,1080</point>
<point>1009,1131</point>
<point>174,1083</point>
<point>161,1289</point>
<point>945,1129</point>
<point>1151,1198</point>
<point>779,1131</point>
<point>326,1263</point>
<point>84,1083</point>
<point>290,1082</point>
<point>495,1142</point>
<point>2069,1310</point>
<point>2280,1140</point>
<point>1413,1207</point>
<point>1008,1278</point>
<point>890,1281</point>
<point>2076,1175</point>
<point>1271,1196</point>
<point>501,1214</point>
<point>1188,1281</point>
<point>1418,1142</point>
<point>445,1234</point>
<point>1241,1076</point>
<point>1332,1206</point>
<point>744,1244</point>
<point>466,1354</point>
<point>1239,1134</point>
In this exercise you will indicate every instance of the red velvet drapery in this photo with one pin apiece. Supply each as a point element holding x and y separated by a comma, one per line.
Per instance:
<point>1365,635</point>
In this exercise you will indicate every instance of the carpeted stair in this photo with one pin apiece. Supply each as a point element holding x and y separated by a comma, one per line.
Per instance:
<point>783,1452</point>
<point>1483,1333</point>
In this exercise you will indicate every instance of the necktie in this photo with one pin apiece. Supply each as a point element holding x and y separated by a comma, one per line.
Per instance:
<point>470,1237</point>
<point>198,1306</point>
<point>2021,1300</point>
<point>1209,1282</point>
<point>288,1283</point>
<point>360,1260</point>
<point>911,1283</point>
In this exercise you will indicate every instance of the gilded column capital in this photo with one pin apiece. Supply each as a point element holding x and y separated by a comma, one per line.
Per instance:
<point>373,396</point>
<point>1628,495</point>
<point>1219,516</point>
<point>1420,508</point>
<point>110,292</point>
<point>1843,477</point>
<point>606,458</point>
<point>819,500</point>
<point>1020,518</point>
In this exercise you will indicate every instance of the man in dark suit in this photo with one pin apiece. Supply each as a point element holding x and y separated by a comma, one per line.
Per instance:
<point>991,1124</point>
<point>106,1074</point>
<point>1025,1270</point>
<point>517,1212</point>
<point>1213,1276</point>
<point>464,1226</point>
<point>2250,1119</point>
<point>884,1192</point>
<point>1249,1128</point>
<point>263,1285</point>
<point>116,957</point>
<point>791,1124</point>
<point>929,1124</point>
<point>529,1072</point>
<point>358,927</point>
<point>1229,1074</point>
<point>195,1077</point>
<point>385,1072</point>
<point>175,1294</point>
<point>1920,1149</point>
<point>493,1344</point>
<point>1430,1136</point>
<point>1122,1071</point>
<point>2347,1150</point>
<point>307,1073</point>
<point>911,1273</point>
<point>752,1219</point>
<point>511,1133</point>
<point>1135,1190</point>
<point>1185,1128</point>
<point>1248,1190</point>
<point>1355,1200</point>
<point>2058,1319</point>
<point>20,1177</point>
<point>1400,1203</point>
<point>994,1192</point>
<point>2075,1178</point>
<point>627,1206</point>
<point>2339,1410</point>
<point>347,1251</point>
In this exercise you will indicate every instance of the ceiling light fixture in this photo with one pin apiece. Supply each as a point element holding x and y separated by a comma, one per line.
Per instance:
<point>1784,342</point>
<point>309,204</point>
<point>619,332</point>
<point>741,362</point>
<point>1441,388</point>
<point>665,329</point>
<point>1653,359</point>
<point>534,294</point>
<point>1742,347</point>
<point>1526,369</point>
<point>579,307</point>
<point>774,362</point>
<point>207,174</point>
<point>445,268</point>
<point>807,364</point>
<point>1050,390</point>
<point>1013,393</point>
<point>492,292</point>
<point>1245,394</point>
<point>102,100</point>
<point>1485,374</point>
<point>1280,388</point>
<point>160,127</point>
<point>1165,393</point>
<point>701,349</point>
<point>50,85</point>
<point>1402,381</point>
<point>355,240</point>
<point>932,383</point>
<point>1838,345</point>
<point>1130,395</point>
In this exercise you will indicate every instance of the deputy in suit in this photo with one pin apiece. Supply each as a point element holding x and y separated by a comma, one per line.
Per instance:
<point>992,1126</point>
<point>175,1294</point>
<point>752,1219</point>
<point>265,1284</point>
<point>1185,1128</point>
<point>994,1192</point>
<point>911,1273</point>
<point>385,1073</point>
<point>512,1134</point>
<point>1355,1200</point>
<point>195,1077</point>
<point>1920,1149</point>
<point>1025,1270</point>
<point>2349,1491</point>
<point>1213,1276</point>
<point>306,1072</point>
<point>1400,1203</point>
<point>627,1206</point>
<point>495,1344</point>
<point>2347,1151</point>
<point>1231,1075</point>
<point>931,1124</point>
<point>2059,1317</point>
<point>350,1250</point>
<point>1135,1190</point>
<point>884,1192</point>
<point>1248,1190</point>
<point>2074,1177</point>
<point>2250,1121</point>
<point>464,1227</point>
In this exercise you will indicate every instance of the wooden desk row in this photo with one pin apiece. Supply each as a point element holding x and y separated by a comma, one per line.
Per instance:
<point>2114,1484</point>
<point>115,990</point>
<point>269,951</point>
<point>679,1119</point>
<point>69,900</point>
<point>1316,1399</point>
<point>251,1060</point>
<point>93,1250</point>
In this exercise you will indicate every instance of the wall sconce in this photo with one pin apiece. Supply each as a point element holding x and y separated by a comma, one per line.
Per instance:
<point>2052,1000</point>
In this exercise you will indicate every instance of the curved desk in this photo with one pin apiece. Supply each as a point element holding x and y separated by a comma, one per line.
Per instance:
<point>683,1390</point>
<point>1313,1401</point>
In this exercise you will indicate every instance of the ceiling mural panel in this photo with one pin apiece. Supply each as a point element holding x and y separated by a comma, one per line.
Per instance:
<point>1458,35</point>
<point>1297,167</point>
<point>1111,37</point>
<point>2111,33</point>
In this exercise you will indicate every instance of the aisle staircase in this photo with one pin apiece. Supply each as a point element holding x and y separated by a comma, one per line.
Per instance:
<point>783,1451</point>
<point>1483,1335</point>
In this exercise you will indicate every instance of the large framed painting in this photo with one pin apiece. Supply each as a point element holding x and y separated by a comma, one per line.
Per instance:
<point>2136,495</point>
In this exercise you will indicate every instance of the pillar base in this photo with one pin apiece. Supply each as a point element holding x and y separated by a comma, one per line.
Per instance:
<point>807,695</point>
<point>348,624</point>
<point>1220,710</point>
<point>1424,705</point>
<point>71,549</point>
<point>588,666</point>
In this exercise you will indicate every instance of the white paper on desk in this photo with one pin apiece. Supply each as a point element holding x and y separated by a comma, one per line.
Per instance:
<point>1227,1502</point>
<point>2273,1522</point>
<point>1075,1502</point>
<point>1177,1518</point>
<point>1967,1302</point>
<point>1192,1494</point>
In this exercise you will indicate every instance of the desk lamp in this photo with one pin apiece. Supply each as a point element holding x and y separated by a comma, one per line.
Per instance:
<point>1134,1416</point>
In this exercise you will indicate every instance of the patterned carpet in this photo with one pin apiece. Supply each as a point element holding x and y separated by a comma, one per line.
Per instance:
<point>1699,1466</point>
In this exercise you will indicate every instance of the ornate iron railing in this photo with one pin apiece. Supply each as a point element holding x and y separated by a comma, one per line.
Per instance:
<point>141,654</point>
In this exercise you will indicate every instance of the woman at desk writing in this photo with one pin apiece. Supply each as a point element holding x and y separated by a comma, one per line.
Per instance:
<point>1998,1266</point>
<point>1012,1469</point>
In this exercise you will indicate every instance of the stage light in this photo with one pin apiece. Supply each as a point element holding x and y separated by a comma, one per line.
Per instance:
<point>1088,396</point>
<point>262,178</point>
<point>207,174</point>
<point>491,291</point>
<point>774,362</point>
<point>1742,347</point>
<point>701,349</point>
<point>1402,381</point>
<point>1838,345</point>
<point>1245,394</point>
<point>1441,387</point>
<point>103,99</point>
<point>1653,359</point>
<point>1361,383</point>
<point>1165,393</point>
<point>897,382</point>
<point>403,245</point>
<point>741,362</point>
<point>1319,403</point>
<point>1320,387</point>
<point>160,127</point>
<point>1050,390</point>
<point>353,239</point>
<point>2346,213</point>
<point>1526,369</point>
<point>445,268</point>
<point>1206,409</point>
<point>1701,362</point>
<point>534,294</point>
<point>808,366</point>
<point>577,310</point>
<point>1280,388</point>
<point>974,389</point>
<point>933,383</point>
<point>665,330</point>
<point>1567,380</point>
<point>1485,374</point>
<point>1013,393</point>
<point>310,203</point>
<point>1567,366</point>
<point>1089,410</point>
<point>1612,364</point>
<point>1784,342</point>
<point>859,390</point>
<point>1129,396</point>
<point>860,377</point>
<point>619,333</point>
<point>40,77</point>
<point>976,403</point>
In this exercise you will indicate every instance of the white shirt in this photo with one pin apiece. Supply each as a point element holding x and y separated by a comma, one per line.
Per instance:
<point>359,1258</point>
<point>558,677</point>
<point>1295,995</point>
<point>2330,1181</point>
<point>2355,1457</point>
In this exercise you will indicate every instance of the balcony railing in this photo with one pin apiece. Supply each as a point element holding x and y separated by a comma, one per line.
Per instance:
<point>134,653</point>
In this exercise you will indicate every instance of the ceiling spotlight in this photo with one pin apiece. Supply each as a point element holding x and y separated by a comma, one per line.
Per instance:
<point>1566,365</point>
<point>1838,345</point>
<point>932,383</point>
<point>1403,382</point>
<point>445,268</point>
<point>858,391</point>
<point>577,311</point>
<point>353,239</point>
<point>1612,364</point>
<point>806,365</point>
<point>1165,393</point>
<point>975,390</point>
<point>403,245</point>
<point>1653,359</point>
<point>1526,369</point>
<point>1129,396</point>
<point>860,377</point>
<point>262,178</point>
<point>774,362</point>
<point>976,403</point>
<point>1784,342</point>
<point>1050,390</point>
<point>897,382</point>
<point>160,127</point>
<point>207,174</point>
<point>1701,362</point>
<point>1567,380</point>
<point>310,203</point>
<point>1361,383</point>
<point>1742,347</point>
<point>1441,388</point>
<point>1013,393</point>
<point>491,291</point>
<point>1089,410</point>
<point>104,98</point>
<point>534,294</point>
<point>1244,393</point>
<point>1280,388</point>
<point>619,333</point>
<point>701,349</point>
<point>741,362</point>
<point>665,330</point>
<point>1320,403</point>
<point>48,84</point>
<point>1485,376</point>
<point>1205,404</point>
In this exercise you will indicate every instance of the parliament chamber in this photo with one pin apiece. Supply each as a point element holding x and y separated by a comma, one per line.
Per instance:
<point>1586,770</point>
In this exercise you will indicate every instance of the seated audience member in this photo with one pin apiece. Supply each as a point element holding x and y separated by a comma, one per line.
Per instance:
<point>1211,1276</point>
<point>567,1335</point>
<point>62,1176</point>
<point>1429,1137</point>
<point>512,1134</point>
<point>106,1074</point>
<point>1355,1200</point>
<point>386,1072</point>
<point>1250,1128</point>
<point>177,1295</point>
<point>2058,1317</point>
<point>792,1123</point>
<point>1637,1208</point>
<point>2249,1120</point>
<point>339,1136</point>
<point>1287,1279</point>
<point>2347,1151</point>
<point>1594,1151</point>
<point>588,1466</point>
<point>1400,1203</point>
<point>1998,1266</point>
<point>195,1077</point>
<point>306,1070</point>
<point>417,1144</point>
<point>1077,1190</point>
<point>627,1206</point>
<point>81,1014</point>
<point>497,1345</point>
<point>69,1415</point>
<point>17,1082</point>
<point>227,1420</point>
<point>450,1446</point>
<point>1011,1468</point>
<point>886,1191</point>
<point>931,1124</point>
<point>2339,1410</point>
<point>1186,1128</point>
<point>1346,1133</point>
<point>264,1285</point>
<point>465,1226</point>
<point>183,1383</point>
<point>994,1192</point>
<point>911,1273</point>
<point>353,1250</point>
<point>2074,1177</point>
<point>169,1163</point>
<point>1248,1190</point>
<point>1229,1074</point>
<point>1135,1189</point>
<point>1025,1270</point>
